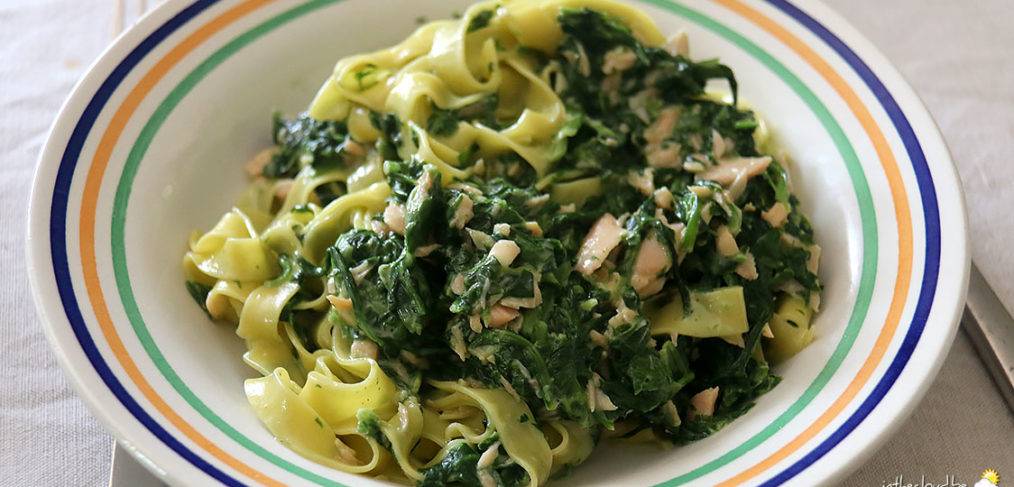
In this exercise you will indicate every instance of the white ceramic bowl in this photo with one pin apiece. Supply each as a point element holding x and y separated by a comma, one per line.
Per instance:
<point>150,146</point>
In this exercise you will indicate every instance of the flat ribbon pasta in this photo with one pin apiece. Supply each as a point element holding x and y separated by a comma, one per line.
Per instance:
<point>447,66</point>
<point>331,222</point>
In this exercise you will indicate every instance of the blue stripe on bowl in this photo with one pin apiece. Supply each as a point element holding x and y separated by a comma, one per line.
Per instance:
<point>58,235</point>
<point>58,218</point>
<point>931,219</point>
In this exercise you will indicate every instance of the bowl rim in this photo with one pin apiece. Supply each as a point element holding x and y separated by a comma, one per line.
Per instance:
<point>39,263</point>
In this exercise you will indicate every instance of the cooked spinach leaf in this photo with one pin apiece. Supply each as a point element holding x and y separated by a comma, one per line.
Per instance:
<point>306,141</point>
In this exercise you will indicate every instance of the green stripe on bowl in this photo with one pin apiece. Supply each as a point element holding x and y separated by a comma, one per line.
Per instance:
<point>867,216</point>
<point>119,218</point>
<point>136,155</point>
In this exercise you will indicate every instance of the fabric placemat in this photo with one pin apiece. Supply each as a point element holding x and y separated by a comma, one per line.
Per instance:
<point>959,57</point>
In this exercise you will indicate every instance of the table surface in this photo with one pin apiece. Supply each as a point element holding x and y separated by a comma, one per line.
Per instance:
<point>959,56</point>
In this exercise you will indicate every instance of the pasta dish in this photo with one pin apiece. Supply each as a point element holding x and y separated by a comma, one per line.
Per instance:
<point>515,234</point>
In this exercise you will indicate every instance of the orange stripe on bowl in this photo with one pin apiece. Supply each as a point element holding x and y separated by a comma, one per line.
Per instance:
<point>903,219</point>
<point>144,87</point>
<point>87,232</point>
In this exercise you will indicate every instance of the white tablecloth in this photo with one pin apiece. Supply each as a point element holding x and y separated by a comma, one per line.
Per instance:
<point>959,55</point>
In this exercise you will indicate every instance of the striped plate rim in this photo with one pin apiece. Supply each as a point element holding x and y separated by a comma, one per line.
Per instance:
<point>71,299</point>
